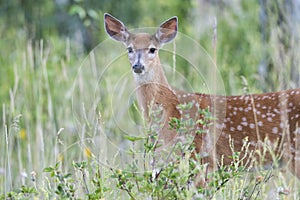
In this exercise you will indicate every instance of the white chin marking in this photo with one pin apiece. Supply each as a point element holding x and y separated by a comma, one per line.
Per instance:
<point>142,78</point>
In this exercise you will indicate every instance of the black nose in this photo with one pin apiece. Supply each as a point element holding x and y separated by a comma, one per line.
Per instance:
<point>138,68</point>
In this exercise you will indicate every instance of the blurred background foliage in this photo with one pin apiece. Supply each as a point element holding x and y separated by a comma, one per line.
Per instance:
<point>44,42</point>
<point>255,38</point>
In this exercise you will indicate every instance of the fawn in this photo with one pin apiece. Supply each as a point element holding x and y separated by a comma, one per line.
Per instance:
<point>273,116</point>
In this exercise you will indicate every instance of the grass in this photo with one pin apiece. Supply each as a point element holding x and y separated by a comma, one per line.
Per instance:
<point>60,140</point>
<point>31,120</point>
<point>71,127</point>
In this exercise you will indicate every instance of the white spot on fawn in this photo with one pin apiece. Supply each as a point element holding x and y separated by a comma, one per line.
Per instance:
<point>276,110</point>
<point>244,123</point>
<point>269,119</point>
<point>239,128</point>
<point>258,112</point>
<point>275,130</point>
<point>281,125</point>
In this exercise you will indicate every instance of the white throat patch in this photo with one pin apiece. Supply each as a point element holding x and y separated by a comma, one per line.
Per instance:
<point>144,77</point>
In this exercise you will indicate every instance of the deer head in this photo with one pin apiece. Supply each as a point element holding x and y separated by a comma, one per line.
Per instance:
<point>143,47</point>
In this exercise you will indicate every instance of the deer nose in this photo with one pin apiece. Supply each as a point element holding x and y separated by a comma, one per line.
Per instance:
<point>138,68</point>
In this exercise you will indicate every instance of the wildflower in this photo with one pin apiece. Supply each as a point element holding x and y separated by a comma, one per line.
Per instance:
<point>87,152</point>
<point>259,179</point>
<point>22,134</point>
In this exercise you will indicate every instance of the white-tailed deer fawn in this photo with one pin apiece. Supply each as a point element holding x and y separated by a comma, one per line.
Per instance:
<point>272,116</point>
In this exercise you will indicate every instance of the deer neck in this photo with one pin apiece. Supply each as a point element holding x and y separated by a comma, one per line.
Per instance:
<point>151,87</point>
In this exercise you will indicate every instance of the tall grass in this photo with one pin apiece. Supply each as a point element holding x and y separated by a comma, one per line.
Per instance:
<point>36,129</point>
<point>57,107</point>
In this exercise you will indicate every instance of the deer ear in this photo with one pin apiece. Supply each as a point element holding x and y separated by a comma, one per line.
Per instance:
<point>167,30</point>
<point>115,28</point>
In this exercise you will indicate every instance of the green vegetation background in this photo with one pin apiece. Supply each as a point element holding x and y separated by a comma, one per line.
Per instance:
<point>43,44</point>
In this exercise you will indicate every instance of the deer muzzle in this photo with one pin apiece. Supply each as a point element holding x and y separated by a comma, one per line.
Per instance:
<point>138,68</point>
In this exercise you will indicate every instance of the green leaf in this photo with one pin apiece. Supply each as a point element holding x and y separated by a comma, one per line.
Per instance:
<point>76,9</point>
<point>56,165</point>
<point>132,138</point>
<point>67,175</point>
<point>48,169</point>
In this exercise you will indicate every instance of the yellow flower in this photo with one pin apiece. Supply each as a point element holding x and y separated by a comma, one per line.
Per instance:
<point>88,152</point>
<point>60,157</point>
<point>22,134</point>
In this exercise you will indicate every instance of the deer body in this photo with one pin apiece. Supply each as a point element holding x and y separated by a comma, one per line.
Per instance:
<point>272,116</point>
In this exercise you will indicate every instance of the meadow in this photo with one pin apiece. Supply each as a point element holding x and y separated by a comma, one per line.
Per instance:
<point>71,127</point>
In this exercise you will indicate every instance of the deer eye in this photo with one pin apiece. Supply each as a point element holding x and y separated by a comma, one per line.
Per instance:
<point>152,50</point>
<point>130,50</point>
